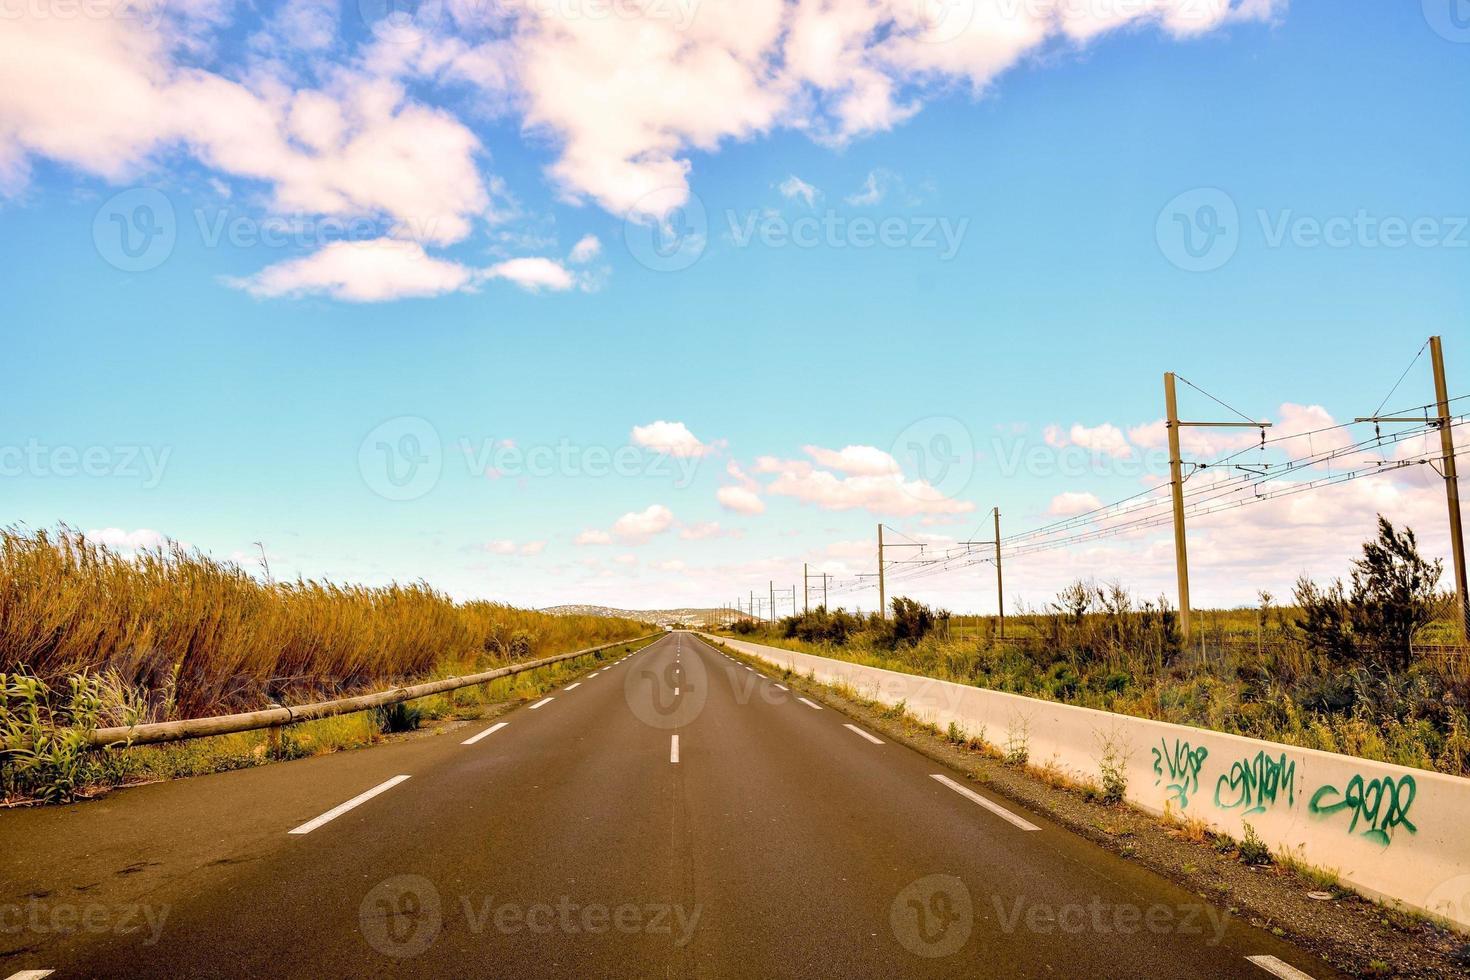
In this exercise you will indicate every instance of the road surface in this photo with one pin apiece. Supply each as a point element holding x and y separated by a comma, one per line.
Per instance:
<point>675,814</point>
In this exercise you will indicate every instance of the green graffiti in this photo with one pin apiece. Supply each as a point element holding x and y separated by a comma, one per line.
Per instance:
<point>1256,784</point>
<point>1181,766</point>
<point>1383,804</point>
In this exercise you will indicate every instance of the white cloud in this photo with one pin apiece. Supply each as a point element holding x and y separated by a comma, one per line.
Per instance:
<point>700,531</point>
<point>873,190</point>
<point>593,536</point>
<point>360,272</point>
<point>504,547</point>
<point>1100,440</point>
<point>1072,502</point>
<point>793,188</point>
<point>142,539</point>
<point>588,247</point>
<point>638,526</point>
<point>740,499</point>
<point>856,460</point>
<point>533,274</point>
<point>673,438</point>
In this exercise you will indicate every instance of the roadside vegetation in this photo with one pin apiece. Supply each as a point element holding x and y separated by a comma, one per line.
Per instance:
<point>91,638</point>
<point>1368,667</point>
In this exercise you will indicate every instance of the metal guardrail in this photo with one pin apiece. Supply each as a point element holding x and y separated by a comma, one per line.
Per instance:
<point>125,736</point>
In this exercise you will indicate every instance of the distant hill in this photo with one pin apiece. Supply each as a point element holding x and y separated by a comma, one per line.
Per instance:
<point>663,617</point>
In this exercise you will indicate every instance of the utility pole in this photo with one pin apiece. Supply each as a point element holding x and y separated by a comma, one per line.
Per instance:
<point>772,584</point>
<point>824,591</point>
<point>806,605</point>
<point>1442,419</point>
<point>1000,590</point>
<point>1176,486</point>
<point>1451,483</point>
<point>882,598</point>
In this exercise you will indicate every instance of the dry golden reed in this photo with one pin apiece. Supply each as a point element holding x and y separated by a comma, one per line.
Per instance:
<point>194,636</point>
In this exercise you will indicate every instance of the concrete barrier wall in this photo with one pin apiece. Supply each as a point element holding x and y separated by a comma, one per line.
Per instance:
<point>1396,834</point>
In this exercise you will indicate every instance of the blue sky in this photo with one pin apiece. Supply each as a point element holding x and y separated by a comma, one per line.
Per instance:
<point>233,390</point>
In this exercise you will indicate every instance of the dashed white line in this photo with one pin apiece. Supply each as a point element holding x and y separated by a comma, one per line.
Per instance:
<point>30,975</point>
<point>542,703</point>
<point>867,735</point>
<point>783,687</point>
<point>676,692</point>
<point>994,808</point>
<point>356,801</point>
<point>1280,968</point>
<point>489,731</point>
<point>572,687</point>
<point>674,748</point>
<point>810,704</point>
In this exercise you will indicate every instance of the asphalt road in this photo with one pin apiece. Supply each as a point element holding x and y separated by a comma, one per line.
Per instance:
<point>674,814</point>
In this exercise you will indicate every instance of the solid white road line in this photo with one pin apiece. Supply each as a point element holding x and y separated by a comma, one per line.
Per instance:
<point>542,703</point>
<point>674,749</point>
<point>994,808</point>
<point>783,687</point>
<point>867,735</point>
<point>809,704</point>
<point>489,731</point>
<point>356,801</point>
<point>572,687</point>
<point>30,975</point>
<point>1273,965</point>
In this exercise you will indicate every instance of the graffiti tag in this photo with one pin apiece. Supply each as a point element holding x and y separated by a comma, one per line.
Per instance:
<point>1256,784</point>
<point>1181,766</point>
<point>1383,804</point>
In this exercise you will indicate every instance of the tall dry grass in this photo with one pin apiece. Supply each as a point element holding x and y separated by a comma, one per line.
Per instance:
<point>188,635</point>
